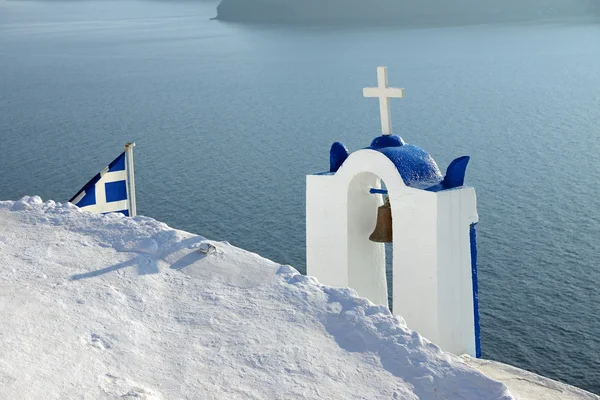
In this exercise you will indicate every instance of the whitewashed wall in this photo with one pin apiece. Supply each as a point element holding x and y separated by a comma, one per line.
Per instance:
<point>431,253</point>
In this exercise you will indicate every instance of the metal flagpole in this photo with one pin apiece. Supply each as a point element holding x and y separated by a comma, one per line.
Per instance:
<point>130,178</point>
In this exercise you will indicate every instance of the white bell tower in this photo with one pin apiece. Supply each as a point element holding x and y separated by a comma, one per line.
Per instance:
<point>433,223</point>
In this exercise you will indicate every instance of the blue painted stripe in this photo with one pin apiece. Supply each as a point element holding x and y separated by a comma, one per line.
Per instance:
<point>473,236</point>
<point>115,191</point>
<point>378,191</point>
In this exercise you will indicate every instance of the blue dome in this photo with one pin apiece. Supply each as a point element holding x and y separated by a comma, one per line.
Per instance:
<point>416,167</point>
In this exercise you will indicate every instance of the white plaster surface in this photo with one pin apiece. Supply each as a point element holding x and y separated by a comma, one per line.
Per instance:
<point>108,307</point>
<point>525,385</point>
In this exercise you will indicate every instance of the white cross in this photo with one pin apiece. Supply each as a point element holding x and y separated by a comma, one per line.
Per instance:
<point>384,93</point>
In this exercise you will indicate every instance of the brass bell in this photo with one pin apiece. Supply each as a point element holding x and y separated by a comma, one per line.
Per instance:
<point>383,229</point>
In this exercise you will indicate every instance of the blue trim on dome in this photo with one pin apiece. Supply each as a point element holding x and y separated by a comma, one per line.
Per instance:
<point>337,155</point>
<point>455,175</point>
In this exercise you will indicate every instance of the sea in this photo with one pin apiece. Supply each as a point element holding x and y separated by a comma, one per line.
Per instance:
<point>229,118</point>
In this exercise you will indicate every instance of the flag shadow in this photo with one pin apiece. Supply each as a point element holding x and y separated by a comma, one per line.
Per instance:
<point>147,264</point>
<point>103,271</point>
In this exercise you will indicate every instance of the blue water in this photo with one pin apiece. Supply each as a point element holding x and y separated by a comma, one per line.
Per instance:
<point>228,120</point>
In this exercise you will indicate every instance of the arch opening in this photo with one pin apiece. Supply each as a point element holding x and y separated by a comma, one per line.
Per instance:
<point>370,264</point>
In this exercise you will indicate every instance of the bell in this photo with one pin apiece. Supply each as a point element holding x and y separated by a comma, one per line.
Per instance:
<point>383,229</point>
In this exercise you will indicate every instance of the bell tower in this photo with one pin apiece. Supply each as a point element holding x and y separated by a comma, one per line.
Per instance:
<point>432,222</point>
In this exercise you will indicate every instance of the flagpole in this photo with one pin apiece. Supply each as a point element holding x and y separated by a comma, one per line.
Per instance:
<point>130,178</point>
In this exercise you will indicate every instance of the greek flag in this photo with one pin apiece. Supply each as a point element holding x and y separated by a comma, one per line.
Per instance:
<point>111,190</point>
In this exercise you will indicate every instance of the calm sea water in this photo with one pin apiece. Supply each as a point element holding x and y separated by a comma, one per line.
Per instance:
<point>229,119</point>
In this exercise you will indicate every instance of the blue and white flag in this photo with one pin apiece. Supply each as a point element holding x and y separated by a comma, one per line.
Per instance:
<point>111,190</point>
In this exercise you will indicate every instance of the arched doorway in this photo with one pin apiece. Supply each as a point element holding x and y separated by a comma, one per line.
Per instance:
<point>367,260</point>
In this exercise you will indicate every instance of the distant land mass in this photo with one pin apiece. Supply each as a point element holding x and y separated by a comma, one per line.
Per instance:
<point>404,12</point>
